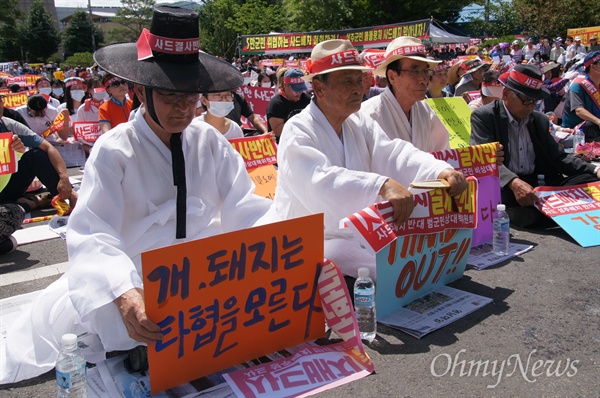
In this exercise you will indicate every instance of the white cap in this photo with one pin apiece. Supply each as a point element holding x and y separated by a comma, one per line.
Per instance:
<point>69,340</point>
<point>501,207</point>
<point>540,176</point>
<point>363,271</point>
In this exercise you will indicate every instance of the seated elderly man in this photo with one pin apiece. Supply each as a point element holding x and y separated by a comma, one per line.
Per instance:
<point>529,148</point>
<point>152,182</point>
<point>400,109</point>
<point>334,160</point>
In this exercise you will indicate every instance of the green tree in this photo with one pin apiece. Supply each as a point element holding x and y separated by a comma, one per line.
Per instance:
<point>39,34</point>
<point>77,37</point>
<point>502,20</point>
<point>551,18</point>
<point>216,37</point>
<point>9,34</point>
<point>85,59</point>
<point>133,16</point>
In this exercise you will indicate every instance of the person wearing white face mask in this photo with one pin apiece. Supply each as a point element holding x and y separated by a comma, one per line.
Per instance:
<point>43,87</point>
<point>97,95</point>
<point>218,105</point>
<point>74,95</point>
<point>58,90</point>
<point>263,81</point>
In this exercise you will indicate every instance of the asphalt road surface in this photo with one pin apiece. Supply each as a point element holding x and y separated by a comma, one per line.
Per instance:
<point>540,336</point>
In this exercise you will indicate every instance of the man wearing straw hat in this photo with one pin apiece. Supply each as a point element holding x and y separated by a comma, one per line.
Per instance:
<point>149,183</point>
<point>400,109</point>
<point>337,161</point>
<point>472,78</point>
<point>529,149</point>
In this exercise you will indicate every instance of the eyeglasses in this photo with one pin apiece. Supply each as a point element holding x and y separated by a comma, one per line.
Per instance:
<point>417,73</point>
<point>222,97</point>
<point>171,98</point>
<point>527,101</point>
<point>118,83</point>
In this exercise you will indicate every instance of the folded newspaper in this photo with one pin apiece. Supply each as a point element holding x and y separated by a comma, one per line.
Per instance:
<point>482,256</point>
<point>434,311</point>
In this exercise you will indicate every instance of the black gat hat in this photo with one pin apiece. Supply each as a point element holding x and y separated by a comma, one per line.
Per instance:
<point>167,57</point>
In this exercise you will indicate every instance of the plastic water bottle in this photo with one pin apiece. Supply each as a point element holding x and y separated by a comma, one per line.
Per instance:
<point>364,305</point>
<point>71,376</point>
<point>540,180</point>
<point>501,231</point>
<point>578,139</point>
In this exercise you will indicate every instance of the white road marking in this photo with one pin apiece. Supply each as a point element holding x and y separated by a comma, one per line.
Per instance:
<point>33,274</point>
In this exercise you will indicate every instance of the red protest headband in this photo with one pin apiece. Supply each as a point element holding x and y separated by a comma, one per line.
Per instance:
<point>149,42</point>
<point>491,84</point>
<point>74,81</point>
<point>592,61</point>
<point>111,81</point>
<point>343,58</point>
<point>407,50</point>
<point>525,80</point>
<point>293,80</point>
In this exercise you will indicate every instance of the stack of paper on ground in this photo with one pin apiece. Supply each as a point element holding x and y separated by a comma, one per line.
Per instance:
<point>482,256</point>
<point>426,253</point>
<point>260,154</point>
<point>227,299</point>
<point>576,209</point>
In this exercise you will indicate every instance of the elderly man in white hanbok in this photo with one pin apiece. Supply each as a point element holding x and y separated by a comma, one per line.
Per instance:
<point>400,109</point>
<point>336,161</point>
<point>128,202</point>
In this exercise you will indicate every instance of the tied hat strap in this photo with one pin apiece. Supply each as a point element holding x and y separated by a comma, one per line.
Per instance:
<point>179,182</point>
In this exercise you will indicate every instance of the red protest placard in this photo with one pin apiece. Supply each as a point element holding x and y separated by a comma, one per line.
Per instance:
<point>258,98</point>
<point>259,150</point>
<point>8,157</point>
<point>477,161</point>
<point>230,298</point>
<point>87,131</point>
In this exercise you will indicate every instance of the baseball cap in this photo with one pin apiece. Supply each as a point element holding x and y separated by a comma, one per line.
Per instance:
<point>293,77</point>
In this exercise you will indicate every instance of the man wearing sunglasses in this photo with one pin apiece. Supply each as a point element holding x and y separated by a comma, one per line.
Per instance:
<point>529,149</point>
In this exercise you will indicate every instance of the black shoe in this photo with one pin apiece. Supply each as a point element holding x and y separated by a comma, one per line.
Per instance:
<point>137,360</point>
<point>8,245</point>
<point>524,216</point>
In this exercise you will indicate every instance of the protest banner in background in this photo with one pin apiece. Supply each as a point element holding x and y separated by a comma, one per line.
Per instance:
<point>258,150</point>
<point>373,36</point>
<point>15,100</point>
<point>455,114</point>
<point>479,161</point>
<point>258,98</point>
<point>584,33</point>
<point>576,209</point>
<point>22,80</point>
<point>230,298</point>
<point>87,131</point>
<point>8,157</point>
<point>313,369</point>
<point>265,179</point>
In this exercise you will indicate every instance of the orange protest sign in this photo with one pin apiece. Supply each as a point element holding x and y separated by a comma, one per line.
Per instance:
<point>233,297</point>
<point>259,150</point>
<point>265,179</point>
<point>15,100</point>
<point>8,157</point>
<point>58,124</point>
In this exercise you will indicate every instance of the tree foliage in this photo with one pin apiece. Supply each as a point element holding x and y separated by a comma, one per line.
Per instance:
<point>502,20</point>
<point>9,35</point>
<point>133,16</point>
<point>551,18</point>
<point>77,37</point>
<point>85,59</point>
<point>39,35</point>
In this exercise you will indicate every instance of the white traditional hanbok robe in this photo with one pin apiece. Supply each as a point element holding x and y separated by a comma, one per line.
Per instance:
<point>127,206</point>
<point>424,130</point>
<point>321,173</point>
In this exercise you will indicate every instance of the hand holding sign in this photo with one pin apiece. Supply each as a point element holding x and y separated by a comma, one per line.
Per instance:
<point>400,198</point>
<point>523,192</point>
<point>456,179</point>
<point>133,311</point>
